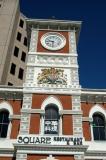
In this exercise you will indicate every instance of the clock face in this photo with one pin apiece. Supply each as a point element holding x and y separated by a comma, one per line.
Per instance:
<point>53,41</point>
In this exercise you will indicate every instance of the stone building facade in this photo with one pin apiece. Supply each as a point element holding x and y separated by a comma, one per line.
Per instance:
<point>51,117</point>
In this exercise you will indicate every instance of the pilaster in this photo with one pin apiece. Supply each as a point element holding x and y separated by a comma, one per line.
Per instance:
<point>25,116</point>
<point>72,44</point>
<point>77,119</point>
<point>33,40</point>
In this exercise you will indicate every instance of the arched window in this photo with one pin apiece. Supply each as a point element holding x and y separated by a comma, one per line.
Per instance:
<point>4,122</point>
<point>99,127</point>
<point>51,123</point>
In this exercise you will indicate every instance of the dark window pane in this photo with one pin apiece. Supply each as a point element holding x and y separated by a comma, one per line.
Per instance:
<point>16,51</point>
<point>0,130</point>
<point>25,41</point>
<point>4,122</point>
<point>19,35</point>
<point>23,57</point>
<point>21,73</point>
<point>5,117</point>
<point>13,67</point>
<point>99,128</point>
<point>10,84</point>
<point>21,24</point>
<point>51,112</point>
<point>51,119</point>
<point>96,133</point>
<point>4,130</point>
<point>1,117</point>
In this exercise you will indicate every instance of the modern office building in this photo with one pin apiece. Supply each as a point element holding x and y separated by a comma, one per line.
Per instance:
<point>51,117</point>
<point>13,43</point>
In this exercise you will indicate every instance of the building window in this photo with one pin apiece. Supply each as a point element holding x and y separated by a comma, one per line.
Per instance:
<point>23,56</point>
<point>21,23</point>
<point>4,122</point>
<point>13,68</point>
<point>99,127</point>
<point>16,51</point>
<point>51,122</point>
<point>21,73</point>
<point>10,84</point>
<point>19,35</point>
<point>25,41</point>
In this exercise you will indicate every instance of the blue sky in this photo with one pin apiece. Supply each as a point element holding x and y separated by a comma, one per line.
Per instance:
<point>92,41</point>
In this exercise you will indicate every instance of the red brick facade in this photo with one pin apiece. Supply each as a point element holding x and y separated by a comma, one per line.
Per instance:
<point>38,99</point>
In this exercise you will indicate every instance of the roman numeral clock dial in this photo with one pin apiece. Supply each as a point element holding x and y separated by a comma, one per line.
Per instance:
<point>53,41</point>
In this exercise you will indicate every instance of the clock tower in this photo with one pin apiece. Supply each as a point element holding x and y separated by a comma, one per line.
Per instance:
<point>51,112</point>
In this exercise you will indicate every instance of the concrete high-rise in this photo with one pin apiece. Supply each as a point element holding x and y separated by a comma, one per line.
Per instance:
<point>13,43</point>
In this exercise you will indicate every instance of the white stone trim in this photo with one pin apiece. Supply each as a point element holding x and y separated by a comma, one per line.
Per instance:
<point>6,155</point>
<point>79,157</point>
<point>5,105</point>
<point>52,99</point>
<point>53,54</point>
<point>8,88</point>
<point>33,111</point>
<point>87,119</point>
<point>72,43</point>
<point>40,111</point>
<point>94,92</point>
<point>21,156</point>
<point>42,125</point>
<point>94,157</point>
<point>71,112</point>
<point>71,90</point>
<point>58,152</point>
<point>9,130</point>
<point>50,158</point>
<point>97,108</point>
<point>60,126</point>
<point>15,116</point>
<point>33,41</point>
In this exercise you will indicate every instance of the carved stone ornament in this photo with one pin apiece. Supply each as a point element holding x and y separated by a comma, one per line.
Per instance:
<point>52,76</point>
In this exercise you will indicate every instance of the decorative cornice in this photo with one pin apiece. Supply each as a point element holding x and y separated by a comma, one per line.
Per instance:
<point>96,153</point>
<point>7,92</point>
<point>93,95</point>
<point>7,151</point>
<point>93,98</point>
<point>49,148</point>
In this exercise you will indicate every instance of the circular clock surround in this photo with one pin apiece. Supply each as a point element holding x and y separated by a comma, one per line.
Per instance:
<point>53,41</point>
